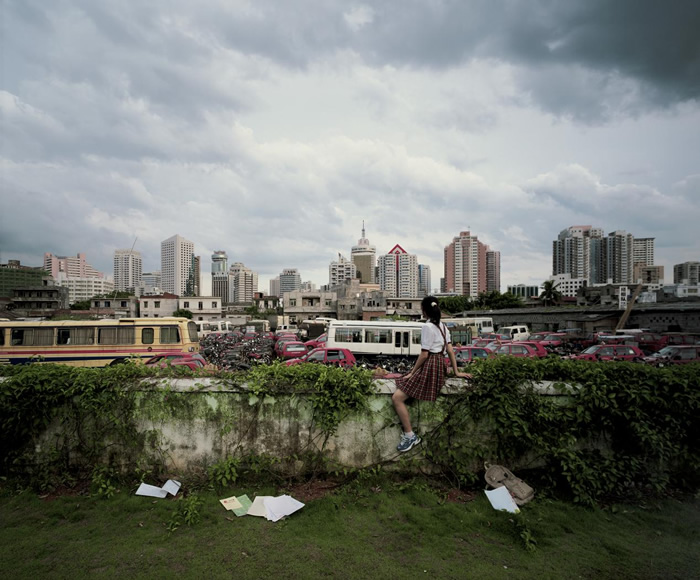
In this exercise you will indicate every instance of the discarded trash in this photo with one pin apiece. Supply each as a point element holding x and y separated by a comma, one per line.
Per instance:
<point>501,499</point>
<point>271,508</point>
<point>238,505</point>
<point>169,487</point>
<point>498,476</point>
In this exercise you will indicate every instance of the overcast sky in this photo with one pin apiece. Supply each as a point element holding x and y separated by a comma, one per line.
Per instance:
<point>272,129</point>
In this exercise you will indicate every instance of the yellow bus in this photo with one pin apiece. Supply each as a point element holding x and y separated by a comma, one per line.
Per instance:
<point>95,343</point>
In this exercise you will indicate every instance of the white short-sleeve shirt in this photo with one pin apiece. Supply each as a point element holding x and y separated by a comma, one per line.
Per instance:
<point>431,337</point>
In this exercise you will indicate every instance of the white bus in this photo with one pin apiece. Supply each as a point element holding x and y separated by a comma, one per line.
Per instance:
<point>205,327</point>
<point>483,325</point>
<point>373,338</point>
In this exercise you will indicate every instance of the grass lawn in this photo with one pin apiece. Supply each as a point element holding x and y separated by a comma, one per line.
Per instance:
<point>354,532</point>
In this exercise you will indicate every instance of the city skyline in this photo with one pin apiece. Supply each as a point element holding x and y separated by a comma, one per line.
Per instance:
<point>272,131</point>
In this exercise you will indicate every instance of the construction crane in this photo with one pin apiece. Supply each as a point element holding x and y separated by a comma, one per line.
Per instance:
<point>626,314</point>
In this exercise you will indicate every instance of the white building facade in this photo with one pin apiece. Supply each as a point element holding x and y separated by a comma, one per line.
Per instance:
<point>176,264</point>
<point>398,273</point>
<point>127,270</point>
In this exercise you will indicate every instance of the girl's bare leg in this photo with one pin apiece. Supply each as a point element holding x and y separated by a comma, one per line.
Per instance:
<point>399,399</point>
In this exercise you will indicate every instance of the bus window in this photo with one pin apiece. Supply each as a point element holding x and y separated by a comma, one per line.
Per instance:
<point>169,335</point>
<point>378,335</point>
<point>343,335</point>
<point>147,335</point>
<point>192,331</point>
<point>75,336</point>
<point>397,339</point>
<point>2,336</point>
<point>63,336</point>
<point>32,336</point>
<point>415,336</point>
<point>116,335</point>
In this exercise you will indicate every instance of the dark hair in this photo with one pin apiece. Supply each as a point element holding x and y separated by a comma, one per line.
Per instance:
<point>430,306</point>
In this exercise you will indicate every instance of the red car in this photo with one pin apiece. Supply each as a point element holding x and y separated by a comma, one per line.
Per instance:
<point>290,349</point>
<point>341,357</point>
<point>554,339</point>
<point>192,361</point>
<point>468,354</point>
<point>609,352</point>
<point>523,349</point>
<point>317,342</point>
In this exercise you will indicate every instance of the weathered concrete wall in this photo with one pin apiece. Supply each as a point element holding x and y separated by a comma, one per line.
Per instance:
<point>205,421</point>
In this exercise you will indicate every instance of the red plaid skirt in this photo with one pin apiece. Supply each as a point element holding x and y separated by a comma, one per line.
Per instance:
<point>425,384</point>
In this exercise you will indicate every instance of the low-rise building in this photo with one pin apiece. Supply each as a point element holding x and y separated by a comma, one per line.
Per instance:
<point>300,305</point>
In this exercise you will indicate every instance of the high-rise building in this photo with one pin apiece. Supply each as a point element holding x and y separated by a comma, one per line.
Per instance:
<point>177,265</point>
<point>219,275</point>
<point>643,251</point>
<point>72,267</point>
<point>423,280</point>
<point>275,287</point>
<point>687,273</point>
<point>493,271</point>
<point>340,271</point>
<point>466,266</point>
<point>578,251</point>
<point>585,252</point>
<point>127,270</point>
<point>242,285</point>
<point>290,280</point>
<point>363,255</point>
<point>619,257</point>
<point>398,273</point>
<point>80,289</point>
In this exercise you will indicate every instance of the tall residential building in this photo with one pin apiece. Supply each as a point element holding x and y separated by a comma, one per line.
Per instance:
<point>363,255</point>
<point>466,266</point>
<point>619,257</point>
<point>423,280</point>
<point>127,270</point>
<point>578,251</point>
<point>493,271</point>
<point>72,267</point>
<point>177,265</point>
<point>219,275</point>
<point>398,273</point>
<point>275,287</point>
<point>242,285</point>
<point>643,251</point>
<point>80,289</point>
<point>340,271</point>
<point>687,273</point>
<point>290,280</point>
<point>585,252</point>
<point>150,284</point>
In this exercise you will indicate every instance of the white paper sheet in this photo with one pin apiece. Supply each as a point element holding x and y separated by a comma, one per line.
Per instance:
<point>278,507</point>
<point>171,486</point>
<point>501,499</point>
<point>151,491</point>
<point>258,507</point>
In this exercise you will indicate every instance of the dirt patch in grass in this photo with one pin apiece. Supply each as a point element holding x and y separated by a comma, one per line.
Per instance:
<point>459,496</point>
<point>314,489</point>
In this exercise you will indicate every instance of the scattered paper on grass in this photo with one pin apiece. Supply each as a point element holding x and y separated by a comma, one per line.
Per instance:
<point>230,503</point>
<point>169,487</point>
<point>501,499</point>
<point>258,506</point>
<point>238,505</point>
<point>279,507</point>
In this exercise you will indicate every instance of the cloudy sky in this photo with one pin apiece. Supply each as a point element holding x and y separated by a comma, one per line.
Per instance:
<point>272,129</point>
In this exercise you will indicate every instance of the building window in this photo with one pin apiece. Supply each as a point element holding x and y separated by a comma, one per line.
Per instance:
<point>123,303</point>
<point>156,304</point>
<point>292,301</point>
<point>213,305</point>
<point>185,304</point>
<point>145,303</point>
<point>328,302</point>
<point>201,305</point>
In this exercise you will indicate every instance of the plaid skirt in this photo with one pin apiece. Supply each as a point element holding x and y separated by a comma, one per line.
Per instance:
<point>425,383</point>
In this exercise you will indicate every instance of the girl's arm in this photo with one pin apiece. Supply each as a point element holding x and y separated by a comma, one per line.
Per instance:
<point>422,357</point>
<point>453,360</point>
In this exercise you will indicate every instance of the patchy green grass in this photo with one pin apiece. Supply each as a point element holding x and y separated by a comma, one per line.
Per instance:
<point>357,532</point>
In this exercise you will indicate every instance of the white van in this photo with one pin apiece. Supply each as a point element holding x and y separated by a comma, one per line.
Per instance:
<point>518,332</point>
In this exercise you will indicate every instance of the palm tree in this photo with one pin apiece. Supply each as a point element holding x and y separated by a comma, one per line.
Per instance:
<point>550,294</point>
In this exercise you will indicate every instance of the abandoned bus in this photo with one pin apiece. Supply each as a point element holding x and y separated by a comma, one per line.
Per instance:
<point>373,338</point>
<point>482,325</point>
<point>95,343</point>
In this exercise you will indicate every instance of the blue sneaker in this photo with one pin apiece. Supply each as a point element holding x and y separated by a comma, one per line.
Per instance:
<point>407,442</point>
